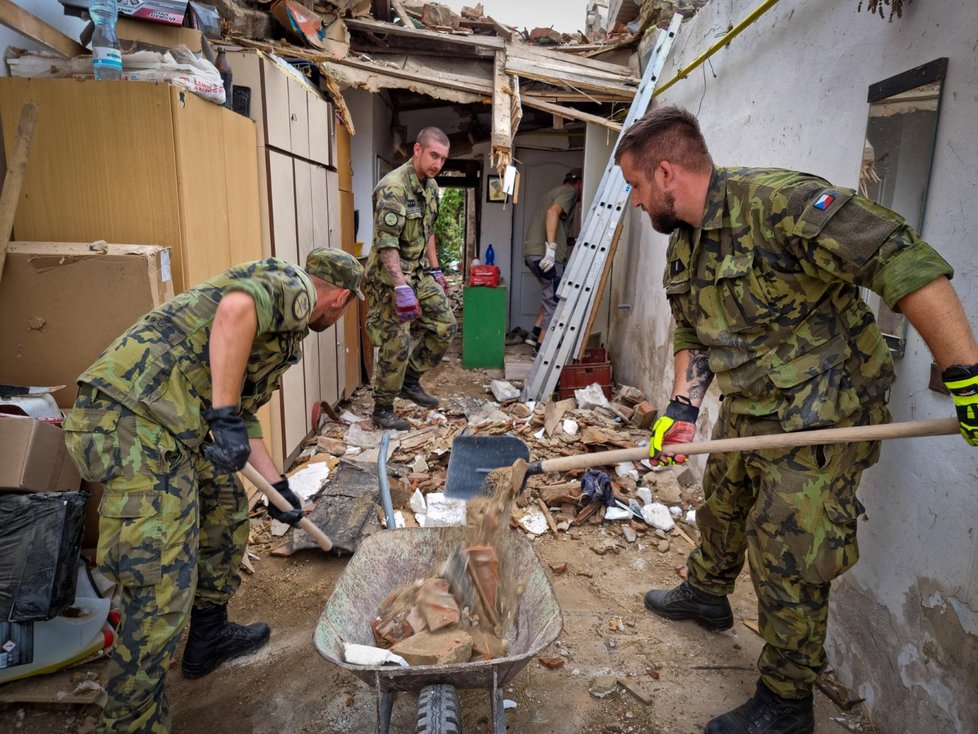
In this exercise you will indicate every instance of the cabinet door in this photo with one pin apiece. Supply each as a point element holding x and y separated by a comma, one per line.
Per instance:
<point>299,119</point>
<point>319,129</point>
<point>304,209</point>
<point>329,385</point>
<point>246,72</point>
<point>335,224</point>
<point>320,207</point>
<point>278,126</point>
<point>282,207</point>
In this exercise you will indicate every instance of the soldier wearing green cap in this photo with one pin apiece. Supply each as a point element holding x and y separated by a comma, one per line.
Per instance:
<point>404,295</point>
<point>763,276</point>
<point>163,419</point>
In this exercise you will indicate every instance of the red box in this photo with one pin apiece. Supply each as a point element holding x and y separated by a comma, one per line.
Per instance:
<point>575,376</point>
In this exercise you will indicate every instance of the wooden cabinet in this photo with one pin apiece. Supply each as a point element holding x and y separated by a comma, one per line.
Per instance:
<point>300,211</point>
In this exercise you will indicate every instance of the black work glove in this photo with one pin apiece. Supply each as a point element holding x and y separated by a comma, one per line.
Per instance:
<point>230,449</point>
<point>291,517</point>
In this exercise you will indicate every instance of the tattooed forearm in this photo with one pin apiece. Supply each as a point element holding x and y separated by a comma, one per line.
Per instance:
<point>698,375</point>
<point>392,264</point>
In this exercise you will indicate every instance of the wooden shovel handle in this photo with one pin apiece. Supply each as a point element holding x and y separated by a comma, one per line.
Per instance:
<point>251,474</point>
<point>908,429</point>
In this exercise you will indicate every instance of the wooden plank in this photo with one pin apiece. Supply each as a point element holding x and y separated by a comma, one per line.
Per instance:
<point>585,66</point>
<point>599,293</point>
<point>571,113</point>
<point>17,19</point>
<point>457,84</point>
<point>14,179</point>
<point>375,26</point>
<point>502,113</point>
<point>552,74</point>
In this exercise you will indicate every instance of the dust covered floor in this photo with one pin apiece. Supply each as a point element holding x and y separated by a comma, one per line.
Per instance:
<point>691,675</point>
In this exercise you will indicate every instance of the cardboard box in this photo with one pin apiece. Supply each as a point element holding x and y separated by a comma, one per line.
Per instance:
<point>33,457</point>
<point>61,304</point>
<point>171,12</point>
<point>137,35</point>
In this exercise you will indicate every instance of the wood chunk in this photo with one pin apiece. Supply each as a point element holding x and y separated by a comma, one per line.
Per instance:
<point>559,567</point>
<point>638,688</point>
<point>436,648</point>
<point>546,514</point>
<point>554,412</point>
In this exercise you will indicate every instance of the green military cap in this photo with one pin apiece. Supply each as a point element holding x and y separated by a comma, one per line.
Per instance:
<point>336,267</point>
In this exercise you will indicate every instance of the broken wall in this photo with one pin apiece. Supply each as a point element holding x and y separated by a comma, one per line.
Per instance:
<point>371,154</point>
<point>791,92</point>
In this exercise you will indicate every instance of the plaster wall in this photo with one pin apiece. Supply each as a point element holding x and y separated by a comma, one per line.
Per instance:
<point>371,153</point>
<point>791,92</point>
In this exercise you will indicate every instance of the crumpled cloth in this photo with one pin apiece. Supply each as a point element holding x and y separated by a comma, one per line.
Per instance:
<point>596,486</point>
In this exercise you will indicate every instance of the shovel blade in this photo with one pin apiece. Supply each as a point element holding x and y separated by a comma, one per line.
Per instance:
<point>473,457</point>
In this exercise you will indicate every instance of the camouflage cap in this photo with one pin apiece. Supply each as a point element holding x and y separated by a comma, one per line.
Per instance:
<point>336,267</point>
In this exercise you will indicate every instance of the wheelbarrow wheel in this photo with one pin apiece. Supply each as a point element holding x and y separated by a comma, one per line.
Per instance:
<point>438,710</point>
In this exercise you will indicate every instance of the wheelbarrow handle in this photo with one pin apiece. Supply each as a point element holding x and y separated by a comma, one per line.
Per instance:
<point>907,429</point>
<point>251,474</point>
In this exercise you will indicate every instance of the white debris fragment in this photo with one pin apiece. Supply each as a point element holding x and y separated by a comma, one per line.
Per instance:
<point>690,518</point>
<point>356,436</point>
<point>645,495</point>
<point>591,397</point>
<point>420,466</point>
<point>657,515</point>
<point>616,513</point>
<point>368,655</point>
<point>675,510</point>
<point>399,521</point>
<point>626,469</point>
<point>533,522</point>
<point>308,480</point>
<point>508,704</point>
<point>503,391</point>
<point>418,505</point>
<point>540,434</point>
<point>348,417</point>
<point>444,512</point>
<point>570,426</point>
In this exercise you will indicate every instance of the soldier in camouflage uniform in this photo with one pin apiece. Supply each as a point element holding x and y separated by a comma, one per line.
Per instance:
<point>402,293</point>
<point>763,273</point>
<point>163,419</point>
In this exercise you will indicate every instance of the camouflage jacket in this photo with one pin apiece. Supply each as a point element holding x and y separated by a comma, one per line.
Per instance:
<point>405,210</point>
<point>534,243</point>
<point>769,287</point>
<point>160,367</point>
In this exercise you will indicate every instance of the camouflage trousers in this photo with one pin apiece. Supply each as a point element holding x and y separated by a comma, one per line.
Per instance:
<point>793,511</point>
<point>172,531</point>
<point>434,331</point>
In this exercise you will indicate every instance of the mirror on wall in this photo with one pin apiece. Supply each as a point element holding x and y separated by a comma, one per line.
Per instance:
<point>897,155</point>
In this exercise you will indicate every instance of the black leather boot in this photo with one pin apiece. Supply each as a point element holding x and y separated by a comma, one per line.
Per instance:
<point>213,640</point>
<point>412,390</point>
<point>384,417</point>
<point>767,713</point>
<point>685,602</point>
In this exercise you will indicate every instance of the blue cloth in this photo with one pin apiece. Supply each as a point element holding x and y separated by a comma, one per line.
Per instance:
<point>596,486</point>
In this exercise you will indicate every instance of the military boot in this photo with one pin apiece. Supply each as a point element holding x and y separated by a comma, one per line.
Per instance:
<point>384,417</point>
<point>767,713</point>
<point>685,602</point>
<point>412,390</point>
<point>213,640</point>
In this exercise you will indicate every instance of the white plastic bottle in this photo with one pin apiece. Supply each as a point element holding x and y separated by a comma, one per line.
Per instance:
<point>106,55</point>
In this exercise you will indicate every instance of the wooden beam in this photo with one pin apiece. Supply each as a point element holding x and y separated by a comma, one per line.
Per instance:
<point>560,76</point>
<point>570,113</point>
<point>525,51</point>
<point>362,24</point>
<point>599,294</point>
<point>19,20</point>
<point>466,84</point>
<point>502,114</point>
<point>14,180</point>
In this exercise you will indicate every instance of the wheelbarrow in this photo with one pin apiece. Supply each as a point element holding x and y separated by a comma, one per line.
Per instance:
<point>385,561</point>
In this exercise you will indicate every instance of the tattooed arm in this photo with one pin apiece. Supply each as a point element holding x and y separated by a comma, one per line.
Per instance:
<point>392,264</point>
<point>693,375</point>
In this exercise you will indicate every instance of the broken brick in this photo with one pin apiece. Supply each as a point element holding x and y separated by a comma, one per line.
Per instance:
<point>437,605</point>
<point>558,567</point>
<point>552,663</point>
<point>645,415</point>
<point>436,648</point>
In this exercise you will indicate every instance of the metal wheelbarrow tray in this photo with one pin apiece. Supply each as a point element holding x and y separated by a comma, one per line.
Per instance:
<point>388,560</point>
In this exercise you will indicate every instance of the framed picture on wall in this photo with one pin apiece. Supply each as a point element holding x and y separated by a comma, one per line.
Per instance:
<point>494,189</point>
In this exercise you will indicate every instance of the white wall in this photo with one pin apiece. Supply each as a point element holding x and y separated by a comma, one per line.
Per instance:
<point>50,12</point>
<point>372,119</point>
<point>791,92</point>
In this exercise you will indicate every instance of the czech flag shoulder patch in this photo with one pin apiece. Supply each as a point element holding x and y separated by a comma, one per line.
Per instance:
<point>824,201</point>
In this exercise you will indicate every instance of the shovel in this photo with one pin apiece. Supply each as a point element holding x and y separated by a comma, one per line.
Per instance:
<point>521,469</point>
<point>251,474</point>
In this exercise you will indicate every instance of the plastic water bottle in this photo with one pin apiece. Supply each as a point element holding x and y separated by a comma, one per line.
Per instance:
<point>106,55</point>
<point>490,256</point>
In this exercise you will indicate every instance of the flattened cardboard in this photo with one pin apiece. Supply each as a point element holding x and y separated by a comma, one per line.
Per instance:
<point>62,304</point>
